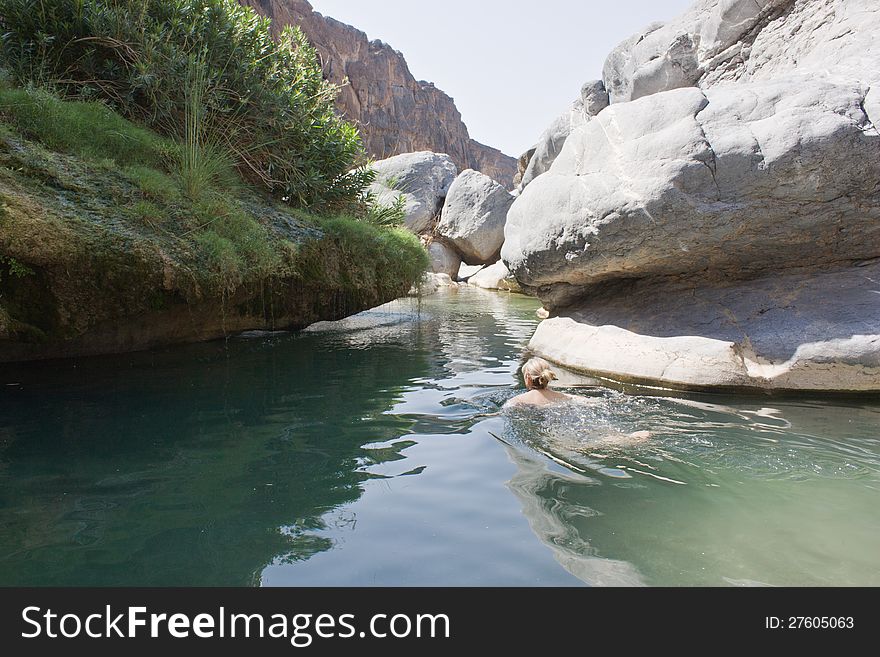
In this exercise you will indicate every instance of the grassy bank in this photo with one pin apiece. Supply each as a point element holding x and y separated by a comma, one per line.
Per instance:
<point>170,172</point>
<point>98,223</point>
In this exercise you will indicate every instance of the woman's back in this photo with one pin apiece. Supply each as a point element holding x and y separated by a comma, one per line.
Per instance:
<point>538,398</point>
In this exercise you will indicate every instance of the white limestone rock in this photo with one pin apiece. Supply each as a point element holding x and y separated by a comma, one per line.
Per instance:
<point>474,215</point>
<point>422,178</point>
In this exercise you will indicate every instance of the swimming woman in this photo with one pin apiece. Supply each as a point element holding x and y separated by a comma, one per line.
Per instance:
<point>537,376</point>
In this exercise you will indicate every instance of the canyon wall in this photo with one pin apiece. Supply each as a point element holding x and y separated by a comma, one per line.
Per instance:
<point>395,112</point>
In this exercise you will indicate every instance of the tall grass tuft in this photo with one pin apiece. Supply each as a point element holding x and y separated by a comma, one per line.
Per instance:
<point>204,165</point>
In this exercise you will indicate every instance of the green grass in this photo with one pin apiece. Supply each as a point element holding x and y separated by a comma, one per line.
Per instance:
<point>235,246</point>
<point>225,234</point>
<point>375,256</point>
<point>222,261</point>
<point>202,164</point>
<point>154,184</point>
<point>149,213</point>
<point>89,130</point>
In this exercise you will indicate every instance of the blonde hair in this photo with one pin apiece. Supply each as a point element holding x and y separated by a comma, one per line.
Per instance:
<point>538,372</point>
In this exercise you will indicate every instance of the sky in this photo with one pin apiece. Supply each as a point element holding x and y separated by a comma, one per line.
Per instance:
<point>512,66</point>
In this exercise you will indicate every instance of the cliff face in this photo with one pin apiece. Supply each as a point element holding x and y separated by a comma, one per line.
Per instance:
<point>395,112</point>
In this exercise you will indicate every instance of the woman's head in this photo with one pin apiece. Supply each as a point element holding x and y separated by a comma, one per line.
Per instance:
<point>537,374</point>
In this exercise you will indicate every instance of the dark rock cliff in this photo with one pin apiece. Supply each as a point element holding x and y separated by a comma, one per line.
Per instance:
<point>395,112</point>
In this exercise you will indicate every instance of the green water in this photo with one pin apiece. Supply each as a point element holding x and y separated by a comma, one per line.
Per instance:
<point>371,453</point>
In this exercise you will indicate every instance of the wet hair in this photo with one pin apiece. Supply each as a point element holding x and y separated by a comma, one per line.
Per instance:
<point>537,370</point>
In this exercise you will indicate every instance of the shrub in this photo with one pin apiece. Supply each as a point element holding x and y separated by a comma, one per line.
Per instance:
<point>384,215</point>
<point>266,102</point>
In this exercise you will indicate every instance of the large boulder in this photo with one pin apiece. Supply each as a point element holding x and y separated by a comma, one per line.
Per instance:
<point>474,215</point>
<point>495,277</point>
<point>711,34</point>
<point>718,225</point>
<point>466,271</point>
<point>741,40</point>
<point>444,259</point>
<point>422,179</point>
<point>797,331</point>
<point>593,100</point>
<point>737,179</point>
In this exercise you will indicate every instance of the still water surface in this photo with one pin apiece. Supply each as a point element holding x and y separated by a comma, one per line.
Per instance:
<point>372,452</point>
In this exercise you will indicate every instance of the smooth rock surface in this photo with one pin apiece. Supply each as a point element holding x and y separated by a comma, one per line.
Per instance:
<point>495,277</point>
<point>747,40</point>
<point>422,178</point>
<point>474,215</point>
<point>737,179</point>
<point>705,229</point>
<point>798,331</point>
<point>466,271</point>
<point>593,100</point>
<point>444,259</point>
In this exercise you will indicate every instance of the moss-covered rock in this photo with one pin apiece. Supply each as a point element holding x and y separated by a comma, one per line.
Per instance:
<point>95,258</point>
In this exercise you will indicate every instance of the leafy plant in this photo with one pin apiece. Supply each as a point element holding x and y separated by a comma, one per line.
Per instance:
<point>15,268</point>
<point>266,99</point>
<point>379,214</point>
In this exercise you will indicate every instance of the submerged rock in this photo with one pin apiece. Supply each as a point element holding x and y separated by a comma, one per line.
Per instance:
<point>422,179</point>
<point>431,283</point>
<point>474,215</point>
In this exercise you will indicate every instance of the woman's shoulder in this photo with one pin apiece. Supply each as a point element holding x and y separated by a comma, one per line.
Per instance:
<point>523,399</point>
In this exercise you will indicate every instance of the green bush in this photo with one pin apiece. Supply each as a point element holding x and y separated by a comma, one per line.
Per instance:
<point>384,215</point>
<point>265,102</point>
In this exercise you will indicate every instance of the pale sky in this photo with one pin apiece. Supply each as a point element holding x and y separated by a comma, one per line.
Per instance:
<point>512,66</point>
